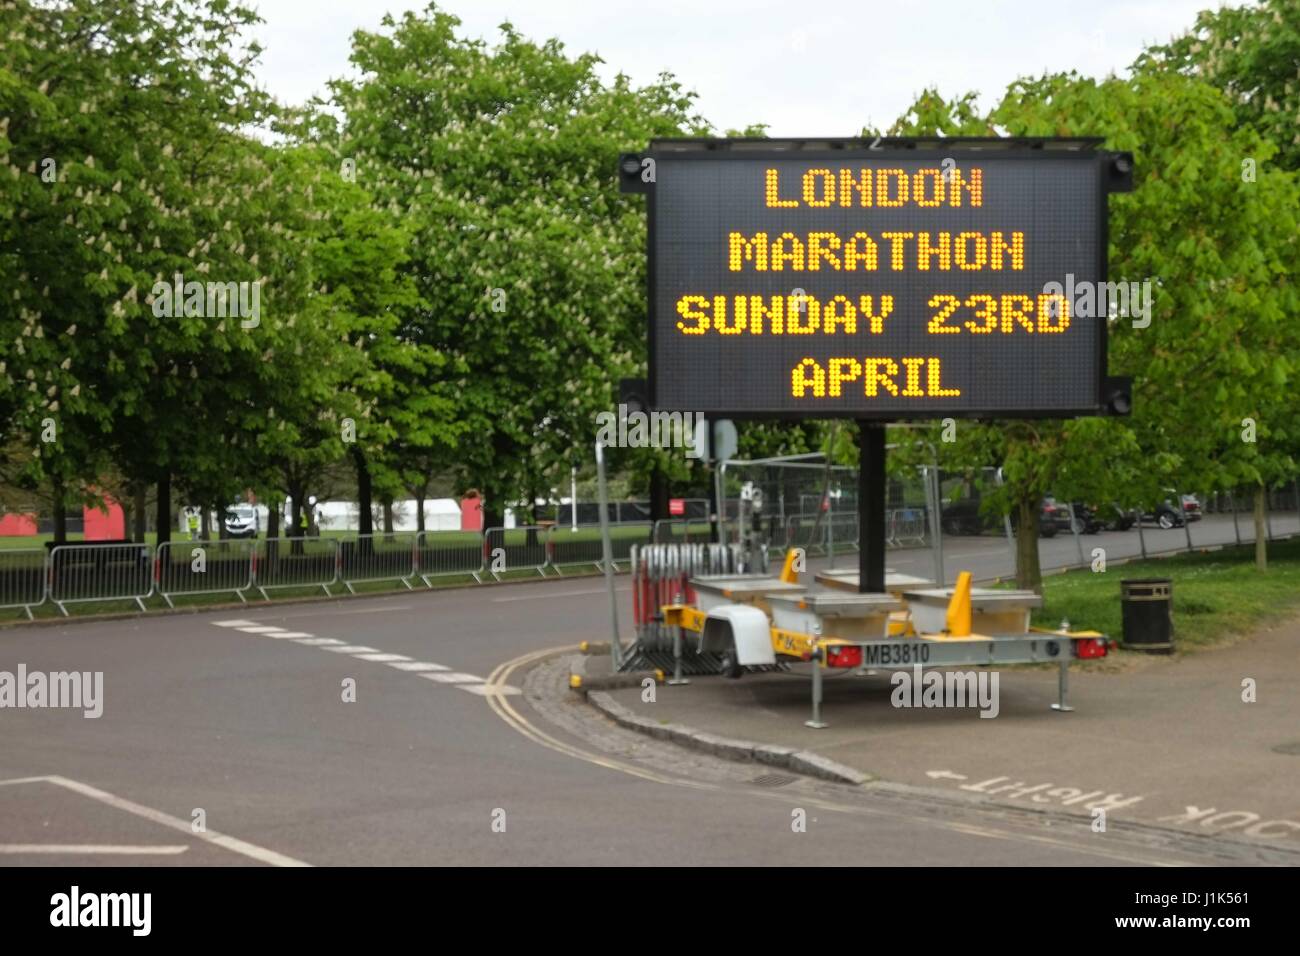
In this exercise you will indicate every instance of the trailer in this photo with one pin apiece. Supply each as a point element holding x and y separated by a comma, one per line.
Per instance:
<point>753,621</point>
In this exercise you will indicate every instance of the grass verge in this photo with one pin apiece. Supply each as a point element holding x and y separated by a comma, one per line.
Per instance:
<point>1218,595</point>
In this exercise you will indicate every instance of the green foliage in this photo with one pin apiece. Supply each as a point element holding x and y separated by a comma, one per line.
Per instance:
<point>530,262</point>
<point>1251,53</point>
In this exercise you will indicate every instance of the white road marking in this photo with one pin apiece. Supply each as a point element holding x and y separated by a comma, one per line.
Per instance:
<point>97,848</point>
<point>557,594</point>
<point>944,774</point>
<point>332,613</point>
<point>233,623</point>
<point>490,690</point>
<point>453,678</point>
<point>250,850</point>
<point>438,673</point>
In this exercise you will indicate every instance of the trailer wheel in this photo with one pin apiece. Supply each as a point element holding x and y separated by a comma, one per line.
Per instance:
<point>730,664</point>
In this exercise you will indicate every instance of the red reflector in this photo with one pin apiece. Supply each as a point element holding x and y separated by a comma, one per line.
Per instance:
<point>844,656</point>
<point>1091,647</point>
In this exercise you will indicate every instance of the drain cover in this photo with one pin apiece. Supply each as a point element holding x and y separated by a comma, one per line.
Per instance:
<point>1292,749</point>
<point>773,780</point>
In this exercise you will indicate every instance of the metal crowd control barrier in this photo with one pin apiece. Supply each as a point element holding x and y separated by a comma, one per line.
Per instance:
<point>799,531</point>
<point>906,526</point>
<point>568,548</point>
<point>681,530</point>
<point>515,549</point>
<point>378,557</point>
<point>204,567</point>
<point>842,531</point>
<point>22,579</point>
<point>296,563</point>
<point>445,553</point>
<point>100,572</point>
<point>639,533</point>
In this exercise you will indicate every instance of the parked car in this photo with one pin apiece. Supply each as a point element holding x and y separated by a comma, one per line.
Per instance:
<point>1054,515</point>
<point>1117,518</point>
<point>963,517</point>
<point>241,521</point>
<point>1087,518</point>
<point>1191,508</point>
<point>1165,515</point>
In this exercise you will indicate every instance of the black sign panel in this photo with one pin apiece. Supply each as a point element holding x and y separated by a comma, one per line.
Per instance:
<point>876,284</point>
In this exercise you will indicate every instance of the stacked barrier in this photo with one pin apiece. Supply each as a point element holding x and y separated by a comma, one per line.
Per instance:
<point>204,567</point>
<point>22,579</point>
<point>661,575</point>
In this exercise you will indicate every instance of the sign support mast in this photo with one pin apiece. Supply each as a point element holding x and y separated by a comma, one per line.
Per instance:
<point>871,507</point>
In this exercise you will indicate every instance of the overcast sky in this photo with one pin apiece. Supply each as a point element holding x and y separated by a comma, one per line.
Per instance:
<point>805,67</point>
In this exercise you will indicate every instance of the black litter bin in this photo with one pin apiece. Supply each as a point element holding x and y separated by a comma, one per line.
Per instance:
<point>1147,607</point>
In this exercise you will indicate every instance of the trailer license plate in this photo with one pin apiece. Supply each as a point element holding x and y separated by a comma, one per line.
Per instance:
<point>895,652</point>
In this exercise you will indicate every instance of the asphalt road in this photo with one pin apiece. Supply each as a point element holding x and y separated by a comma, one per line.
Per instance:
<point>239,720</point>
<point>990,555</point>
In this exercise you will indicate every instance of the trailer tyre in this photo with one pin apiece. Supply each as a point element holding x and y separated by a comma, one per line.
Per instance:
<point>729,666</point>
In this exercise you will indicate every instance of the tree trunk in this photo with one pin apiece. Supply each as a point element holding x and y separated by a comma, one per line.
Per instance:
<point>164,523</point>
<point>273,518</point>
<point>297,495</point>
<point>205,523</point>
<point>658,495</point>
<point>530,539</point>
<point>419,511</point>
<point>388,516</point>
<point>138,512</point>
<point>1029,576</point>
<point>59,512</point>
<point>365,497</point>
<point>1261,530</point>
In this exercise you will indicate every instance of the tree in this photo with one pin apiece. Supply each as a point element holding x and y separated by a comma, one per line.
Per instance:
<point>137,121</point>
<point>1222,339</point>
<point>1249,52</point>
<point>530,261</point>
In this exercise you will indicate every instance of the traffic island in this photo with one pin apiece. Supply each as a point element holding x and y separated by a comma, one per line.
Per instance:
<point>1204,743</point>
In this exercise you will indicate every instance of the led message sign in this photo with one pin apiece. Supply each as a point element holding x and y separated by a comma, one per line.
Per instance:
<point>886,284</point>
